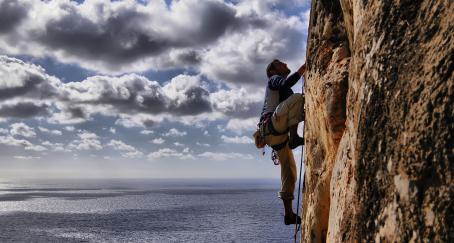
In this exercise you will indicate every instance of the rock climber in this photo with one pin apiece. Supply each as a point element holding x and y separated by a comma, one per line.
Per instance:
<point>282,111</point>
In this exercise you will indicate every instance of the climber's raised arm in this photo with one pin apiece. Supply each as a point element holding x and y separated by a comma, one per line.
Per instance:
<point>277,72</point>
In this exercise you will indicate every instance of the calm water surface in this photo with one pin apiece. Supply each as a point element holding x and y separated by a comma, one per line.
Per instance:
<point>142,211</point>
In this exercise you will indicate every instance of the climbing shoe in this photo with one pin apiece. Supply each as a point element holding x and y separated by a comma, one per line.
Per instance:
<point>292,219</point>
<point>294,143</point>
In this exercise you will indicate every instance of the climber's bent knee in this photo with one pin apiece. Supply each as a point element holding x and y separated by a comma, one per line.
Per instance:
<point>289,112</point>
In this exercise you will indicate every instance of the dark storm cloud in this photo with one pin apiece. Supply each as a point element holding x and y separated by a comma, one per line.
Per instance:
<point>190,58</point>
<point>120,39</point>
<point>133,94</point>
<point>12,12</point>
<point>197,101</point>
<point>76,112</point>
<point>246,111</point>
<point>242,74</point>
<point>32,85</point>
<point>24,88</point>
<point>149,123</point>
<point>117,37</point>
<point>153,103</point>
<point>216,19</point>
<point>225,42</point>
<point>24,110</point>
<point>124,38</point>
<point>130,94</point>
<point>29,84</point>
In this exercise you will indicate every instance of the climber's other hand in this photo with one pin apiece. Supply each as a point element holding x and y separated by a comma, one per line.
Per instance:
<point>302,69</point>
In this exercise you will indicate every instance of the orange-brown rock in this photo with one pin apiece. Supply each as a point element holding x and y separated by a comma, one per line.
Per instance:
<point>379,122</point>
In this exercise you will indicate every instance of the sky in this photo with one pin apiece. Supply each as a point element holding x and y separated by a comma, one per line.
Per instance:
<point>147,89</point>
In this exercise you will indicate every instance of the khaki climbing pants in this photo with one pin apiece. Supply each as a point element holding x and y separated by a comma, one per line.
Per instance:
<point>288,113</point>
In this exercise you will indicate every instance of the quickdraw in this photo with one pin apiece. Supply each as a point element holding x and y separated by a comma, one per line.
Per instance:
<point>274,157</point>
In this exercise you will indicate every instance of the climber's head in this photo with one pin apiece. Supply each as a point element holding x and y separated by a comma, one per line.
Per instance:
<point>277,67</point>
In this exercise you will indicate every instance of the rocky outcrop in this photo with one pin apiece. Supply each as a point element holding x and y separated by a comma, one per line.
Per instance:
<point>379,122</point>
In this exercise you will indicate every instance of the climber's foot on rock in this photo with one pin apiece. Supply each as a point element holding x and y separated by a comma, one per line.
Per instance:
<point>292,219</point>
<point>295,142</point>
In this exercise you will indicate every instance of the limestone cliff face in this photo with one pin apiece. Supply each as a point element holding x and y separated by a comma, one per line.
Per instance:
<point>379,122</point>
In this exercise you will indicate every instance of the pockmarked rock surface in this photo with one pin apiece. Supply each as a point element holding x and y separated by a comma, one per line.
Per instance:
<point>379,122</point>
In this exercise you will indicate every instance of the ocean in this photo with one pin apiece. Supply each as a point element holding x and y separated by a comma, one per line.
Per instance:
<point>139,210</point>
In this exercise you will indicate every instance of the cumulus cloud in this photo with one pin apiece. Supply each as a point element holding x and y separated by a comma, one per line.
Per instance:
<point>129,121</point>
<point>158,141</point>
<point>225,49</point>
<point>23,109</point>
<point>237,139</point>
<point>237,103</point>
<point>27,145</point>
<point>203,144</point>
<point>224,156</point>
<point>225,41</point>
<point>27,91</point>
<point>146,132</point>
<point>127,150</point>
<point>70,128</point>
<point>186,95</point>
<point>242,125</point>
<point>21,129</point>
<point>56,147</point>
<point>173,132</point>
<point>169,153</point>
<point>178,144</point>
<point>121,34</point>
<point>25,80</point>
<point>55,132</point>
<point>246,54</point>
<point>86,141</point>
<point>11,14</point>
<point>112,130</point>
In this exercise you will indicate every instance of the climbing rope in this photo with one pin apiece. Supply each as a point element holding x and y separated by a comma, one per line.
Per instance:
<point>297,226</point>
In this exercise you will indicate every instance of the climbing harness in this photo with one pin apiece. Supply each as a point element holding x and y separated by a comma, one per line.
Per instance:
<point>298,226</point>
<point>264,128</point>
